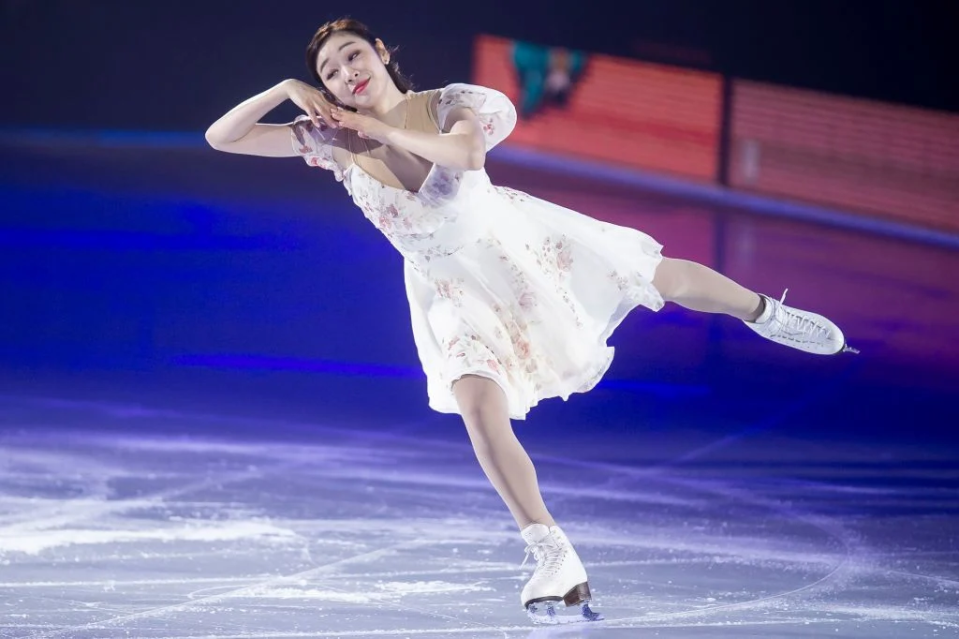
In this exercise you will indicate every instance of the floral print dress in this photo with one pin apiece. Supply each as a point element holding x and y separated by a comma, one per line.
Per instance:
<point>500,284</point>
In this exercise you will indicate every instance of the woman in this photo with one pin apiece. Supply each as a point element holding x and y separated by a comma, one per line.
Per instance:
<point>512,298</point>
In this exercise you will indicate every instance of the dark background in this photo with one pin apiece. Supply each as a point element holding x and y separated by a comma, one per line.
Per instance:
<point>138,263</point>
<point>175,65</point>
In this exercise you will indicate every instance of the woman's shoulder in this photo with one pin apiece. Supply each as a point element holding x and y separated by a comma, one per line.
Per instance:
<point>454,87</point>
<point>451,95</point>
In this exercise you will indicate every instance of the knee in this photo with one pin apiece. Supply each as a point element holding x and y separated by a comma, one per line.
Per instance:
<point>479,415</point>
<point>670,278</point>
<point>482,406</point>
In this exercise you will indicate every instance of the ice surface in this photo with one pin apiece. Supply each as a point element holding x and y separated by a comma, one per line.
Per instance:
<point>108,531</point>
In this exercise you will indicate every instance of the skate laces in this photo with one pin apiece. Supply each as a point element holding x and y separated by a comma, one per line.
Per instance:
<point>798,322</point>
<point>548,553</point>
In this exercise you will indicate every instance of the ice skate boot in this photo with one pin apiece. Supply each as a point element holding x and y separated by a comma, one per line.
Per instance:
<point>799,329</point>
<point>558,591</point>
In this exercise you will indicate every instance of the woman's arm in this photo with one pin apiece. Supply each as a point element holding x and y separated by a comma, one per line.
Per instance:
<point>463,147</point>
<point>240,130</point>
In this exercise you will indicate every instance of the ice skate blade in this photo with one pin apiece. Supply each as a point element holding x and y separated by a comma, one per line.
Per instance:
<point>575,607</point>
<point>548,613</point>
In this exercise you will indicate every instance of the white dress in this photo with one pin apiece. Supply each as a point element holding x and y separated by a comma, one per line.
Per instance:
<point>500,284</point>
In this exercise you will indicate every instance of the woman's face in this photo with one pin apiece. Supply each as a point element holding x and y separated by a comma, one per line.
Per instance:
<point>353,70</point>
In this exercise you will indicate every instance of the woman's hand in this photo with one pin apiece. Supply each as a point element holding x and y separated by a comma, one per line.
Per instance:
<point>311,100</point>
<point>365,126</point>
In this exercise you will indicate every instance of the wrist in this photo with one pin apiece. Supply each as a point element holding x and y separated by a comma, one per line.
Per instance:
<point>393,136</point>
<point>283,88</point>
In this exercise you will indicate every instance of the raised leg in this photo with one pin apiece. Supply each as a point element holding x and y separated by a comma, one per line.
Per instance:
<point>700,288</point>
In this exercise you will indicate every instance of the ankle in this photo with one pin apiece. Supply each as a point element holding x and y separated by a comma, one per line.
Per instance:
<point>759,314</point>
<point>543,521</point>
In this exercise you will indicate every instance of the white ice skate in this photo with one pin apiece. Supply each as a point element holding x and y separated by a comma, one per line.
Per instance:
<point>799,329</point>
<point>559,578</point>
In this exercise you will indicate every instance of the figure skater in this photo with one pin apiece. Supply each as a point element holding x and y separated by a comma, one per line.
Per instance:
<point>512,298</point>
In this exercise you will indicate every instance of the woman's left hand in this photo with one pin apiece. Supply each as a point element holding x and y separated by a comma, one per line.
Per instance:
<point>365,126</point>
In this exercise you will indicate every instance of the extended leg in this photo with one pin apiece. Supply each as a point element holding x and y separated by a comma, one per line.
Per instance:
<point>700,288</point>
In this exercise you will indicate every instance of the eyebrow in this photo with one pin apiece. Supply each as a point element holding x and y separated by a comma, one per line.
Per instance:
<point>342,46</point>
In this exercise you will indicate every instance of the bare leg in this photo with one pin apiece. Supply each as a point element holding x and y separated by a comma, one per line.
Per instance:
<point>700,288</point>
<point>502,457</point>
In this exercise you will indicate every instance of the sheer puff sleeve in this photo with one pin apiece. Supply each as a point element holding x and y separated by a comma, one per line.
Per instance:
<point>494,110</point>
<point>314,144</point>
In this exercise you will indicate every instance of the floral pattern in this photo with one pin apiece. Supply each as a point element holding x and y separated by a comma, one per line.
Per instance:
<point>496,113</point>
<point>315,144</point>
<point>451,289</point>
<point>501,284</point>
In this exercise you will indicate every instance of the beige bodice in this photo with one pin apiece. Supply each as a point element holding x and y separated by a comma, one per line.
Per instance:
<point>389,165</point>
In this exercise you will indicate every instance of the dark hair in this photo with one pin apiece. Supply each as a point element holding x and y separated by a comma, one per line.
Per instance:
<point>356,27</point>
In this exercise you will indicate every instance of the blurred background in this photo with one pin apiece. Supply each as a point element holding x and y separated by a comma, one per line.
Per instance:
<point>806,145</point>
<point>212,414</point>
